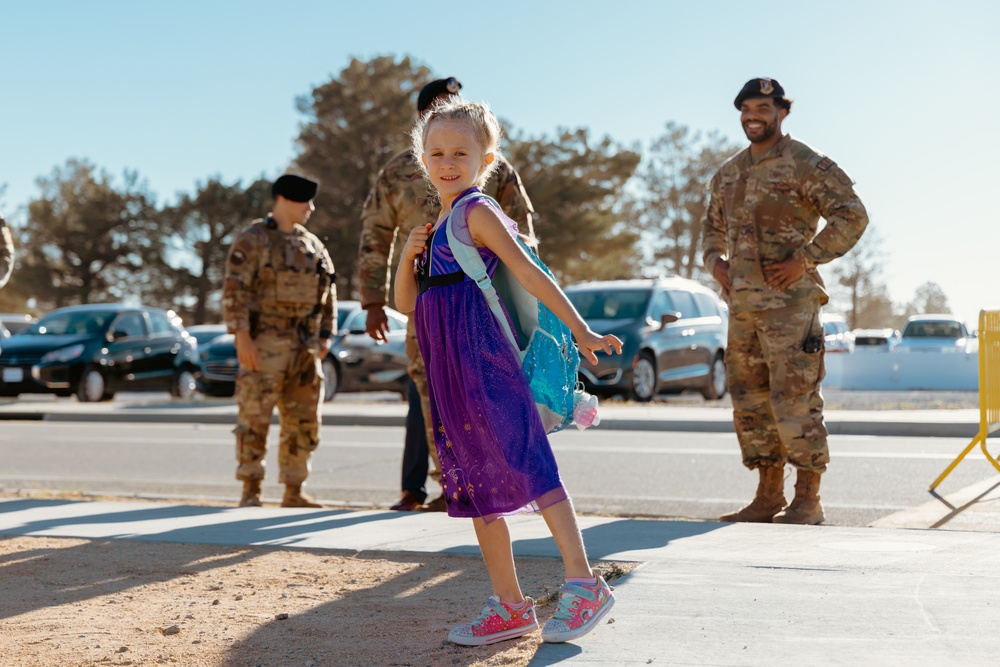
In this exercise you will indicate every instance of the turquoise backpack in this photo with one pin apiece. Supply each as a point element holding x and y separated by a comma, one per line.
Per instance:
<point>549,357</point>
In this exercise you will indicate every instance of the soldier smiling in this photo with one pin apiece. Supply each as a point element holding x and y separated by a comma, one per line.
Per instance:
<point>761,241</point>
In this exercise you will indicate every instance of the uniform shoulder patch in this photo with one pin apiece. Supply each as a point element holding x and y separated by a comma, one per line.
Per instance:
<point>826,164</point>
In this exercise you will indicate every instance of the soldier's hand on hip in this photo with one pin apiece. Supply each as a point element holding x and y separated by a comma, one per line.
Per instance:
<point>721,273</point>
<point>781,275</point>
<point>246,351</point>
<point>377,323</point>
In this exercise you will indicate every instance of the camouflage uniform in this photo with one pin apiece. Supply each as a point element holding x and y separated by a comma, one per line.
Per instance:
<point>400,201</point>
<point>280,287</point>
<point>762,212</point>
<point>6,252</point>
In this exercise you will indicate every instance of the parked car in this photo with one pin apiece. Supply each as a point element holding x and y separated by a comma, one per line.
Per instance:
<point>356,361</point>
<point>204,333</point>
<point>673,332</point>
<point>936,333</point>
<point>16,322</point>
<point>96,350</point>
<point>218,365</point>
<point>837,334</point>
<point>875,340</point>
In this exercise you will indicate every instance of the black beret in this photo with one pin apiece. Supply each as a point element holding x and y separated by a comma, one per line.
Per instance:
<point>430,92</point>
<point>761,88</point>
<point>295,188</point>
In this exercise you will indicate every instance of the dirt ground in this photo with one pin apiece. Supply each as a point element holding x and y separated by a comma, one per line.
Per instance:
<point>76,602</point>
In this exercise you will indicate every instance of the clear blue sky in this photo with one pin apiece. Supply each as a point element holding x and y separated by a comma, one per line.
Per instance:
<point>902,94</point>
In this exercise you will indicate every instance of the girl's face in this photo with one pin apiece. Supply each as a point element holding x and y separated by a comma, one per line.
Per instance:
<point>453,158</point>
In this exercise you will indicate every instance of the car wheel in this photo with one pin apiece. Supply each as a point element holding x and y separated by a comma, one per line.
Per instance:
<point>331,380</point>
<point>643,378</point>
<point>718,381</point>
<point>184,384</point>
<point>92,387</point>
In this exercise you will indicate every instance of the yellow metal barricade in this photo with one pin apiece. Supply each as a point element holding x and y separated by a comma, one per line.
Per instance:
<point>989,389</point>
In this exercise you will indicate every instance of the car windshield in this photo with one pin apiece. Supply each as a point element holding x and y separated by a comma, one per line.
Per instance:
<point>616,304</point>
<point>342,314</point>
<point>62,324</point>
<point>205,335</point>
<point>949,330</point>
<point>871,340</point>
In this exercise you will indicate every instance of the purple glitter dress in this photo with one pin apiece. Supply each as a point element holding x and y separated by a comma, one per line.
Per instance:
<point>495,457</point>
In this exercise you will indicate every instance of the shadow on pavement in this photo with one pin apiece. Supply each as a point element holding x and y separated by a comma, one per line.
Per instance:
<point>606,540</point>
<point>205,525</point>
<point>956,510</point>
<point>284,531</point>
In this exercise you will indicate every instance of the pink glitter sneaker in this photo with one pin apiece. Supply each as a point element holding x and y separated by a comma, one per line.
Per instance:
<point>496,623</point>
<point>581,608</point>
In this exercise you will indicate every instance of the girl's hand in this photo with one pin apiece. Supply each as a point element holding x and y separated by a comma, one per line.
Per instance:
<point>589,342</point>
<point>416,242</point>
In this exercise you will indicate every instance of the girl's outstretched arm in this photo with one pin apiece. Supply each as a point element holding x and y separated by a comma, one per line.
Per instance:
<point>405,282</point>
<point>488,230</point>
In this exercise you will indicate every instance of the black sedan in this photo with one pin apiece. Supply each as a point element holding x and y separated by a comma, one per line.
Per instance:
<point>96,350</point>
<point>356,361</point>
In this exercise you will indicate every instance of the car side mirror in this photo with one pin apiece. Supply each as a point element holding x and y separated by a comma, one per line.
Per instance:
<point>669,318</point>
<point>119,333</point>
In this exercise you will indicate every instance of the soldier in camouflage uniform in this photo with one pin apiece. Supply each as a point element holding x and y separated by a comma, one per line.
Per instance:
<point>279,299</point>
<point>760,242</point>
<point>6,252</point>
<point>399,201</point>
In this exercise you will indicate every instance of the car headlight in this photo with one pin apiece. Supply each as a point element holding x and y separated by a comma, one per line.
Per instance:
<point>63,354</point>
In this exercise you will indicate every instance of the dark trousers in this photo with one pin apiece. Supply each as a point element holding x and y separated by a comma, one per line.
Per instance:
<point>415,448</point>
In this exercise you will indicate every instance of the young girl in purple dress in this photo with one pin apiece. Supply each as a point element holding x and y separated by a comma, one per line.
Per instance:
<point>495,457</point>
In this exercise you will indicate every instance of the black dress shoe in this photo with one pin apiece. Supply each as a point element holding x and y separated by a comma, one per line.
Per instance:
<point>408,503</point>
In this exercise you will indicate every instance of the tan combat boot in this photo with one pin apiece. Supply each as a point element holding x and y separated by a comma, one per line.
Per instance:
<point>295,498</point>
<point>804,508</point>
<point>251,493</point>
<point>770,498</point>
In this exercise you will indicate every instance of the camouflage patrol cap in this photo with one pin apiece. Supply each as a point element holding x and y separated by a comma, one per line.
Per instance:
<point>295,188</point>
<point>430,92</point>
<point>761,87</point>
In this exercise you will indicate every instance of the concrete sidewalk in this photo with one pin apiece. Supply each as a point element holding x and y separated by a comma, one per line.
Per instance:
<point>706,593</point>
<point>958,423</point>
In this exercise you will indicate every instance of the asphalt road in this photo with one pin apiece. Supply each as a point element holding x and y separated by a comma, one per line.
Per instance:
<point>632,473</point>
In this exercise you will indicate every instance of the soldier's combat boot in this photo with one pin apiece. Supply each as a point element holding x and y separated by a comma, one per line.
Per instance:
<point>805,508</point>
<point>294,497</point>
<point>770,498</point>
<point>251,493</point>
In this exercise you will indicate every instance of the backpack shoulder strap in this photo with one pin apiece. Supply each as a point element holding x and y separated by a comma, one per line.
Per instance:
<point>468,258</point>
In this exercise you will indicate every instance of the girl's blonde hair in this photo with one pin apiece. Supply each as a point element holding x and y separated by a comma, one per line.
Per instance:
<point>485,128</point>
